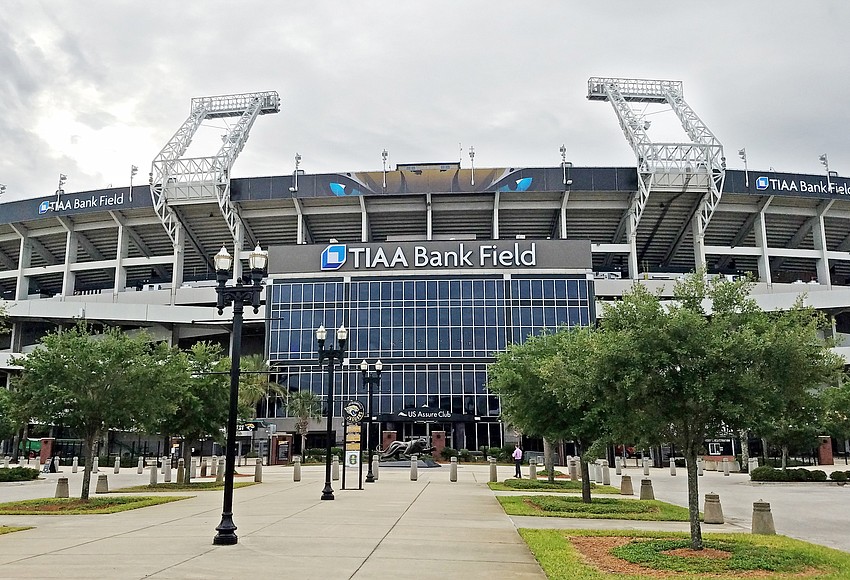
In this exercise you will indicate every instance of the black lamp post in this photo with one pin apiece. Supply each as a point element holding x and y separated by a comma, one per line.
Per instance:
<point>332,356</point>
<point>247,291</point>
<point>370,380</point>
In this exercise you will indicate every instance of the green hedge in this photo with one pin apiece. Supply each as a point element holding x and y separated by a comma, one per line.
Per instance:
<point>18,474</point>
<point>839,476</point>
<point>767,473</point>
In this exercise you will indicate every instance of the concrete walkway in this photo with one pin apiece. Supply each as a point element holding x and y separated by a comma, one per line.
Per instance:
<point>429,528</point>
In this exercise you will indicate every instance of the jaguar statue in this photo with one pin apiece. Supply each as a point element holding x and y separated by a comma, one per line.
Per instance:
<point>399,449</point>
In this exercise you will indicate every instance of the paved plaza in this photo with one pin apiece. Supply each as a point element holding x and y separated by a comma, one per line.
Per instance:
<point>430,528</point>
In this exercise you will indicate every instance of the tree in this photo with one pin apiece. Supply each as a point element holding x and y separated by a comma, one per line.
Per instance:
<point>534,381</point>
<point>201,398</point>
<point>8,427</point>
<point>837,412</point>
<point>304,405</point>
<point>94,383</point>
<point>254,384</point>
<point>682,373</point>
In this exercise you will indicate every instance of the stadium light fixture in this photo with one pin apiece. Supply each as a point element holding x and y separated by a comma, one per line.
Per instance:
<point>2,189</point>
<point>824,160</point>
<point>59,191</point>
<point>472,162</point>
<point>133,171</point>
<point>742,153</point>
<point>564,165</point>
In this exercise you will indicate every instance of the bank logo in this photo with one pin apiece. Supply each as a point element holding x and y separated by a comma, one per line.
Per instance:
<point>762,183</point>
<point>333,257</point>
<point>44,207</point>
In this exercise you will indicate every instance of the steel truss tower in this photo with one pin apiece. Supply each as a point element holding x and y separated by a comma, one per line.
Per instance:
<point>177,181</point>
<point>698,166</point>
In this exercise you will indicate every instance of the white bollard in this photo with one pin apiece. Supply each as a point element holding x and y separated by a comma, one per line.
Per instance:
<point>726,466</point>
<point>335,468</point>
<point>154,473</point>
<point>753,464</point>
<point>75,465</point>
<point>606,473</point>
<point>193,468</point>
<point>532,469</point>
<point>699,466</point>
<point>296,470</point>
<point>219,473</point>
<point>494,476</point>
<point>672,466</point>
<point>453,469</point>
<point>140,468</point>
<point>117,467</point>
<point>646,466</point>
<point>94,465</point>
<point>258,471</point>
<point>6,462</point>
<point>414,467</point>
<point>618,465</point>
<point>214,466</point>
<point>167,470</point>
<point>181,471</point>
<point>573,470</point>
<point>591,471</point>
<point>203,467</point>
<point>376,463</point>
<point>56,464</point>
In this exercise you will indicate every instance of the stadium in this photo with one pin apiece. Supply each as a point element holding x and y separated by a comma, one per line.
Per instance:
<point>432,267</point>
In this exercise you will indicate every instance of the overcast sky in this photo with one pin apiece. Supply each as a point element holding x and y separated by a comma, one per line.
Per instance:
<point>88,88</point>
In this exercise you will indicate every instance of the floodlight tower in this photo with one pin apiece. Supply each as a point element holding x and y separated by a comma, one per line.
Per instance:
<point>175,180</point>
<point>697,166</point>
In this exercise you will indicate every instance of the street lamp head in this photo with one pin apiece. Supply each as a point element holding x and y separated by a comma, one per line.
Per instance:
<point>258,258</point>
<point>364,366</point>
<point>384,154</point>
<point>342,335</point>
<point>379,366</point>
<point>223,260</point>
<point>321,334</point>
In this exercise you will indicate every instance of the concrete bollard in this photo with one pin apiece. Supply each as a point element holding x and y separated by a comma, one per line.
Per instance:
<point>154,473</point>
<point>94,465</point>
<point>414,467</point>
<point>62,487</point>
<point>140,468</point>
<point>646,466</point>
<point>102,484</point>
<point>591,472</point>
<point>335,468</point>
<point>672,467</point>
<point>453,469</point>
<point>203,467</point>
<point>214,466</point>
<point>376,464</point>
<point>712,510</point>
<point>258,471</point>
<point>181,471</point>
<point>626,485</point>
<point>762,518</point>
<point>493,473</point>
<point>75,465</point>
<point>646,489</point>
<point>573,470</point>
<point>56,464</point>
<point>117,467</point>
<point>606,473</point>
<point>167,471</point>
<point>726,466</point>
<point>532,469</point>
<point>618,465</point>
<point>219,472</point>
<point>296,469</point>
<point>193,468</point>
<point>700,467</point>
<point>163,460</point>
<point>752,464</point>
<point>6,461</point>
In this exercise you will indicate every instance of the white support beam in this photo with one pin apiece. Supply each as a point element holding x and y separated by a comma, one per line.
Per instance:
<point>304,235</point>
<point>364,221</point>
<point>69,277</point>
<point>819,239</point>
<point>121,252</point>
<point>761,242</point>
<point>565,198</point>
<point>733,250</point>
<point>495,216</point>
<point>610,248</point>
<point>795,253</point>
<point>428,217</point>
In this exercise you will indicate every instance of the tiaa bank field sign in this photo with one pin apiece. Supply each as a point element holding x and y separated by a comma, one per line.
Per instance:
<point>412,256</point>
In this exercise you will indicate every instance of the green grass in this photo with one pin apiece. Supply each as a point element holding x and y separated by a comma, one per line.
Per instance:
<point>10,529</point>
<point>76,506</point>
<point>199,486</point>
<point>598,508</point>
<point>775,556</point>
<point>565,486</point>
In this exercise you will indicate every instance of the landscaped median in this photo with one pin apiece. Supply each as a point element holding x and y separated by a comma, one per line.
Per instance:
<point>624,555</point>
<point>75,506</point>
<point>598,508</point>
<point>560,486</point>
<point>10,529</point>
<point>198,486</point>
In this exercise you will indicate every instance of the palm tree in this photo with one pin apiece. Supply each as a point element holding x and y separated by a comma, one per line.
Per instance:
<point>305,405</point>
<point>254,384</point>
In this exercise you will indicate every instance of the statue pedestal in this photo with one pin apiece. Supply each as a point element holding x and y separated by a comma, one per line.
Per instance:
<point>422,463</point>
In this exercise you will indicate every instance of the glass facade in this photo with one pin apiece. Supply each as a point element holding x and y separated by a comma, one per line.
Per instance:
<point>435,336</point>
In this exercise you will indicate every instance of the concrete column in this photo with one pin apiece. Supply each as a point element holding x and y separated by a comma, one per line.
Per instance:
<point>762,518</point>
<point>140,468</point>
<point>117,467</point>
<point>712,510</point>
<point>178,255</point>
<point>646,489</point>
<point>154,473</point>
<point>452,469</point>
<point>819,239</point>
<point>626,485</point>
<point>296,469</point>
<point>22,287</point>
<point>102,484</point>
<point>68,276</point>
<point>121,252</point>
<point>62,487</point>
<point>258,471</point>
<point>414,467</point>
<point>761,243</point>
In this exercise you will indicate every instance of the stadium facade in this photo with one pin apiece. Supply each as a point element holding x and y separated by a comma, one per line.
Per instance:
<point>432,267</point>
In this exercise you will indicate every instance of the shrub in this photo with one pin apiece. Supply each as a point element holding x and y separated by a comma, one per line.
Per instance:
<point>817,475</point>
<point>448,453</point>
<point>18,474</point>
<point>840,476</point>
<point>767,473</point>
<point>464,455</point>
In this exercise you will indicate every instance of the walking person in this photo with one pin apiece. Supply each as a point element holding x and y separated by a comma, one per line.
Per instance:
<point>517,455</point>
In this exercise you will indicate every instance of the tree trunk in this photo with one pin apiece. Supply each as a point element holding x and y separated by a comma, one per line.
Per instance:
<point>585,473</point>
<point>90,453</point>
<point>187,460</point>
<point>745,449</point>
<point>764,450</point>
<point>549,459</point>
<point>784,457</point>
<point>303,448</point>
<point>16,444</point>
<point>693,497</point>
